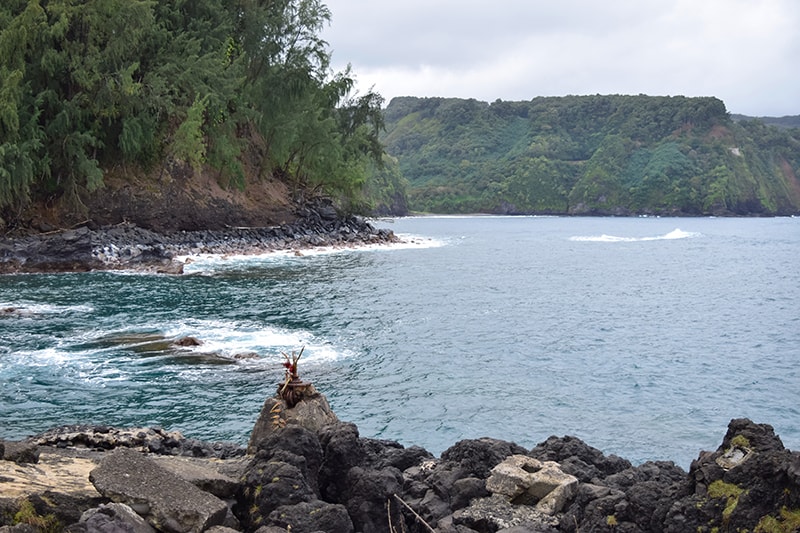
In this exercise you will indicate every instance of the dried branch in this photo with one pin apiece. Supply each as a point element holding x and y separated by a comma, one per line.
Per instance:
<point>418,517</point>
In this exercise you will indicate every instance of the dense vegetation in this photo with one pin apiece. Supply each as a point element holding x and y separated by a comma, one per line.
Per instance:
<point>591,155</point>
<point>231,86</point>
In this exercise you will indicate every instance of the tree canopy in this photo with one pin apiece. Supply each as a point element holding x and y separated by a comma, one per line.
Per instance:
<point>591,155</point>
<point>220,84</point>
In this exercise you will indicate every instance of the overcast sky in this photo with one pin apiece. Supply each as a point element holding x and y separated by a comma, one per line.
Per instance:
<point>745,52</point>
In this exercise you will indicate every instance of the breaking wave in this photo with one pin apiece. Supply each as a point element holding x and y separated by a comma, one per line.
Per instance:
<point>672,235</point>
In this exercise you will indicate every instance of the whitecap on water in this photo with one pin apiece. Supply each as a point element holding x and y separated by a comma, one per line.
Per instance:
<point>677,233</point>
<point>209,264</point>
<point>33,309</point>
<point>206,342</point>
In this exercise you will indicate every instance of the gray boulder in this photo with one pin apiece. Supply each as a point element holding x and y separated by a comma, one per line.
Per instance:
<point>312,516</point>
<point>220,478</point>
<point>114,518</point>
<point>528,481</point>
<point>168,503</point>
<point>495,513</point>
<point>20,452</point>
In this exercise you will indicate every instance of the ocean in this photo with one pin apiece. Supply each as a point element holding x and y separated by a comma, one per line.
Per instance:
<point>641,336</point>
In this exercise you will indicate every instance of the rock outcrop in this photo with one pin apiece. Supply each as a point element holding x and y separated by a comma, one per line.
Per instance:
<point>166,501</point>
<point>131,247</point>
<point>306,471</point>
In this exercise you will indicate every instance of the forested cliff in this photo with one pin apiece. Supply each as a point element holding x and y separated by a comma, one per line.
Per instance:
<point>138,94</point>
<point>210,113</point>
<point>605,155</point>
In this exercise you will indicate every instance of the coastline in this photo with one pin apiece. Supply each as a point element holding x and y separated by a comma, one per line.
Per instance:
<point>304,470</point>
<point>129,247</point>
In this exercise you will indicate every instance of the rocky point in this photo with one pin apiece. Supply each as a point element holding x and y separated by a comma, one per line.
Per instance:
<point>304,470</point>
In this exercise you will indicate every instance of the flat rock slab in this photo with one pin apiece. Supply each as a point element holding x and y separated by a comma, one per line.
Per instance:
<point>169,503</point>
<point>53,472</point>
<point>217,476</point>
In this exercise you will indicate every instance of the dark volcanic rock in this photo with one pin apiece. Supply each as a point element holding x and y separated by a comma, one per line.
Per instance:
<point>20,452</point>
<point>343,450</point>
<point>307,478</point>
<point>312,413</point>
<point>127,246</point>
<point>578,458</point>
<point>154,440</point>
<point>745,484</point>
<point>477,457</point>
<point>312,516</point>
<point>112,518</point>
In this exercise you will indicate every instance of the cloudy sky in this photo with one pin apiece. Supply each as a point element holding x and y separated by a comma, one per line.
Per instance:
<point>746,52</point>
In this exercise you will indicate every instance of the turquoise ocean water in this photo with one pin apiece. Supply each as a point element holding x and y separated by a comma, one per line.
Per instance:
<point>642,336</point>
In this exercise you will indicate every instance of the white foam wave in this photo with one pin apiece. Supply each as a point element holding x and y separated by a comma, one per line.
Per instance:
<point>210,263</point>
<point>102,358</point>
<point>675,234</point>
<point>29,309</point>
<point>248,343</point>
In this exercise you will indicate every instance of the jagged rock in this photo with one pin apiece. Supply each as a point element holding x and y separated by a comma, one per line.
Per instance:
<point>267,485</point>
<point>367,494</point>
<point>188,341</point>
<point>523,480</point>
<point>220,478</point>
<point>465,490</point>
<point>105,437</point>
<point>113,518</point>
<point>478,456</point>
<point>343,450</point>
<point>221,529</point>
<point>386,453</point>
<point>495,513</point>
<point>578,458</point>
<point>744,496</point>
<point>636,499</point>
<point>283,472</point>
<point>19,528</point>
<point>312,516</point>
<point>312,412</point>
<point>131,247</point>
<point>168,503</point>
<point>154,440</point>
<point>20,452</point>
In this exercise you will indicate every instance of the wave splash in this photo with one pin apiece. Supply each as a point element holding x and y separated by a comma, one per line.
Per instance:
<point>209,264</point>
<point>675,234</point>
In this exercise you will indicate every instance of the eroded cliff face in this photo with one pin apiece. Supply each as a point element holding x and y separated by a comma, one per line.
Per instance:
<point>164,199</point>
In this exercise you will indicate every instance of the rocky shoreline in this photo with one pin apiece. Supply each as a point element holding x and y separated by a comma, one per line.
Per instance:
<point>305,471</point>
<point>130,247</point>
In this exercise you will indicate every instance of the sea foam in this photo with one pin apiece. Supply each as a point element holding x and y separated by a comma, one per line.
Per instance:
<point>675,234</point>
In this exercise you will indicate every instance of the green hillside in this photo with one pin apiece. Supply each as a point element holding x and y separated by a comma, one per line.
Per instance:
<point>603,155</point>
<point>240,91</point>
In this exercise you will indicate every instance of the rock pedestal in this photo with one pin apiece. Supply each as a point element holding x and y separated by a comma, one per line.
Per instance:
<point>313,413</point>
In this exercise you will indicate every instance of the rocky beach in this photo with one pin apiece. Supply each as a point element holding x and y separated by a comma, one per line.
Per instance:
<point>304,470</point>
<point>126,246</point>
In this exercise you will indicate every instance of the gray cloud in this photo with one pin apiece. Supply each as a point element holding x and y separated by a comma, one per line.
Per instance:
<point>742,51</point>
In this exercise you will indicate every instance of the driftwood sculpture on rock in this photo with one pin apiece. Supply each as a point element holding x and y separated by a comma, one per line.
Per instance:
<point>293,388</point>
